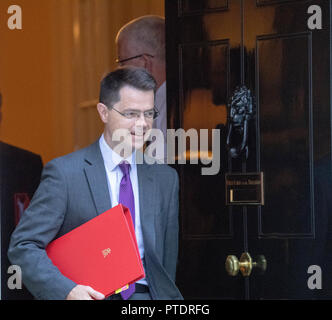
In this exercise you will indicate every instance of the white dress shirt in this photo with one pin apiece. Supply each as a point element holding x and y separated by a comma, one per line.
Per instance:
<point>114,176</point>
<point>161,121</point>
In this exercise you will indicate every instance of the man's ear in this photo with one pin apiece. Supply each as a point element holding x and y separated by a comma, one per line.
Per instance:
<point>103,112</point>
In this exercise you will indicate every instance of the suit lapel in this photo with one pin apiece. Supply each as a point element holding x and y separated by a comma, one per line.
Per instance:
<point>96,176</point>
<point>147,199</point>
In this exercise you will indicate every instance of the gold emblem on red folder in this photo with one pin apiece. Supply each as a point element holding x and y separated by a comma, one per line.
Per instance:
<point>106,252</point>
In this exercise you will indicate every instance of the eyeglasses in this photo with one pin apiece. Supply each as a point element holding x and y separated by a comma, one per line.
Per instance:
<point>135,57</point>
<point>136,114</point>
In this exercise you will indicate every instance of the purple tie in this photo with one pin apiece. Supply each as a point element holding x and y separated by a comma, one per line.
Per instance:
<point>126,197</point>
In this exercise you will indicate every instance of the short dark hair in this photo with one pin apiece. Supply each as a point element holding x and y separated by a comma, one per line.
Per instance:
<point>114,81</point>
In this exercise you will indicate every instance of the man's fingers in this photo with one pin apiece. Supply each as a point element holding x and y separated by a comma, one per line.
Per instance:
<point>84,293</point>
<point>95,294</point>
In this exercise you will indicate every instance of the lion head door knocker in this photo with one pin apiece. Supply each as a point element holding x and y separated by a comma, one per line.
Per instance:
<point>241,110</point>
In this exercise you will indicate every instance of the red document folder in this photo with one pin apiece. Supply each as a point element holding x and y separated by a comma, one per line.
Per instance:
<point>101,253</point>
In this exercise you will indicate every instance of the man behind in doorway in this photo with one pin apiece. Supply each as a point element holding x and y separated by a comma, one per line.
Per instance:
<point>141,43</point>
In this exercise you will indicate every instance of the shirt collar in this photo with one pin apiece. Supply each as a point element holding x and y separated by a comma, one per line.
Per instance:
<point>111,158</point>
<point>161,91</point>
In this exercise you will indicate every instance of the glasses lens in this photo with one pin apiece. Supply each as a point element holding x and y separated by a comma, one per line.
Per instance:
<point>132,114</point>
<point>149,114</point>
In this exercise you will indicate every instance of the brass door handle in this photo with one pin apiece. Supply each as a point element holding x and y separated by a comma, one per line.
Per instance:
<point>245,265</point>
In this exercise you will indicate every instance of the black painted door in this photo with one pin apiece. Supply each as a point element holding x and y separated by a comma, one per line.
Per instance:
<point>213,47</point>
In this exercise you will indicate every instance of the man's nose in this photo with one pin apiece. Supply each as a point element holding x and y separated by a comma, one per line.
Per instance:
<point>141,120</point>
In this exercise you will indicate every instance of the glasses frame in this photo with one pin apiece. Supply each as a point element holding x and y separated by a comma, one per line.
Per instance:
<point>156,114</point>
<point>134,57</point>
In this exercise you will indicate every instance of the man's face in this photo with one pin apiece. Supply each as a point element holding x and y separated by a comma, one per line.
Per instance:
<point>134,100</point>
<point>126,50</point>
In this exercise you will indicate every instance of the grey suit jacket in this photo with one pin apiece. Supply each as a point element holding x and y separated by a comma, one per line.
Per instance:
<point>72,191</point>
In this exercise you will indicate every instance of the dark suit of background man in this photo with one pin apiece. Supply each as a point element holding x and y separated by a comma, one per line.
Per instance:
<point>20,172</point>
<point>77,187</point>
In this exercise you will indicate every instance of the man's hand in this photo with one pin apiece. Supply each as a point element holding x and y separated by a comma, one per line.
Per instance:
<point>84,293</point>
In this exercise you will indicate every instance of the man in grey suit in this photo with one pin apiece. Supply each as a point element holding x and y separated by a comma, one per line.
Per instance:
<point>77,187</point>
